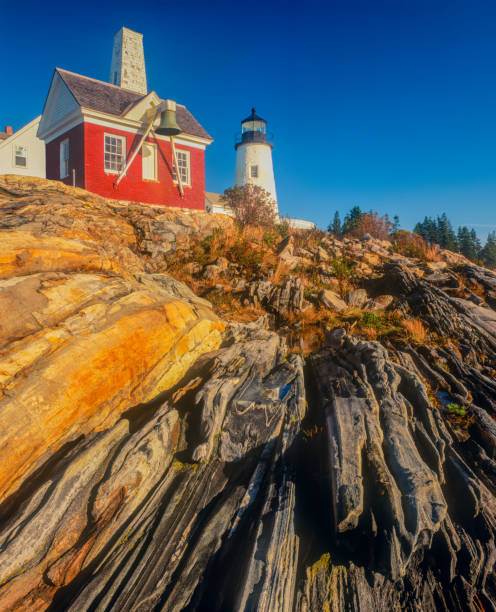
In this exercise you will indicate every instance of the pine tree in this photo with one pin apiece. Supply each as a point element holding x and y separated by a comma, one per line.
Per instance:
<point>448,236</point>
<point>335,227</point>
<point>477,243</point>
<point>466,243</point>
<point>489,251</point>
<point>442,230</point>
<point>351,220</point>
<point>396,223</point>
<point>439,231</point>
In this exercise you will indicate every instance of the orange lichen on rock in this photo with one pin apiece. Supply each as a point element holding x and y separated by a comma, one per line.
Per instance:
<point>85,332</point>
<point>138,347</point>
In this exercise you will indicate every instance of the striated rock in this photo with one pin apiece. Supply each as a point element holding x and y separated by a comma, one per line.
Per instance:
<point>121,525</point>
<point>79,347</point>
<point>152,458</point>
<point>277,299</point>
<point>397,487</point>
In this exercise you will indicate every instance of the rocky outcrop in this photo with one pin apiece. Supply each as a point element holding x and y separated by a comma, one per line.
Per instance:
<point>280,300</point>
<point>68,228</point>
<point>85,333</point>
<point>120,525</point>
<point>153,457</point>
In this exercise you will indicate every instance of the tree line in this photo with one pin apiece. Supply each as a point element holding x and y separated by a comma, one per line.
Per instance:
<point>437,230</point>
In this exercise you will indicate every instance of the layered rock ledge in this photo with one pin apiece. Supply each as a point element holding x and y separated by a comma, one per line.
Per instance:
<point>155,457</point>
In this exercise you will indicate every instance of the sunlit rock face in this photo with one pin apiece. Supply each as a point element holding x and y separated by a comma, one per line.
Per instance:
<point>154,457</point>
<point>82,338</point>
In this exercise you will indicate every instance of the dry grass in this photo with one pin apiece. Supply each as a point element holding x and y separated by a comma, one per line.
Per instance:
<point>414,329</point>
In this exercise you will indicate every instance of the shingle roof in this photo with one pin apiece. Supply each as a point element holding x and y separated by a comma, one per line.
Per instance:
<point>114,100</point>
<point>4,135</point>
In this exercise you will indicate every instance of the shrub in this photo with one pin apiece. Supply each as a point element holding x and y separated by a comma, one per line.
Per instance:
<point>251,205</point>
<point>371,223</point>
<point>412,245</point>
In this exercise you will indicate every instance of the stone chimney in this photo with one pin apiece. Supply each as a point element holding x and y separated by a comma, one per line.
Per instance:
<point>128,61</point>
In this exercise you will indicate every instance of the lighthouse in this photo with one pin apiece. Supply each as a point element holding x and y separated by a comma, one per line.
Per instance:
<point>254,156</point>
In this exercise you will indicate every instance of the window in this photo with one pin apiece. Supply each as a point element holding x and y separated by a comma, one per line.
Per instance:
<point>149,161</point>
<point>184,167</point>
<point>115,153</point>
<point>64,158</point>
<point>254,171</point>
<point>20,156</point>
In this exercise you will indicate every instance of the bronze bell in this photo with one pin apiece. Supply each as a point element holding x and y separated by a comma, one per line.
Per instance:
<point>168,125</point>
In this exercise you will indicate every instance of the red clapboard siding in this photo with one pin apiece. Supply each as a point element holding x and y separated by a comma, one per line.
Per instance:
<point>76,156</point>
<point>132,186</point>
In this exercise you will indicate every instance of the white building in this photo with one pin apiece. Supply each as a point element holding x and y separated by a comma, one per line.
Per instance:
<point>22,152</point>
<point>254,156</point>
<point>215,204</point>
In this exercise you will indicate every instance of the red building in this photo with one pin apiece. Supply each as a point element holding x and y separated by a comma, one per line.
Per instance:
<point>92,129</point>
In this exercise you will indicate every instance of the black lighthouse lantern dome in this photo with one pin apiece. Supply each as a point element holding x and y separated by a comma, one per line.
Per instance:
<point>253,129</point>
<point>253,123</point>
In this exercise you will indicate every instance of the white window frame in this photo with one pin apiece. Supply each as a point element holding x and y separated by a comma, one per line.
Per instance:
<point>123,147</point>
<point>155,160</point>
<point>254,167</point>
<point>186,183</point>
<point>64,158</point>
<point>14,147</point>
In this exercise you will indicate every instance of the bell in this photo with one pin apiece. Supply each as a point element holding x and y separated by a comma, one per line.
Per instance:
<point>168,125</point>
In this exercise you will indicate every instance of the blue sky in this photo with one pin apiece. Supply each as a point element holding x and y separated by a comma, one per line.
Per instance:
<point>388,104</point>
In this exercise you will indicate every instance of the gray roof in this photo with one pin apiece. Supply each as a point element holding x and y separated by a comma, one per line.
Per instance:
<point>115,100</point>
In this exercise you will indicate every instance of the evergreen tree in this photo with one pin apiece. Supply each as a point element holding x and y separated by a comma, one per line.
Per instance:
<point>396,223</point>
<point>351,220</point>
<point>477,243</point>
<point>466,243</point>
<point>438,231</point>
<point>446,234</point>
<point>419,229</point>
<point>489,251</point>
<point>335,227</point>
<point>428,229</point>
<point>442,230</point>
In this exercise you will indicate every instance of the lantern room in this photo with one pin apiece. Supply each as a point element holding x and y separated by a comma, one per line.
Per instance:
<point>253,129</point>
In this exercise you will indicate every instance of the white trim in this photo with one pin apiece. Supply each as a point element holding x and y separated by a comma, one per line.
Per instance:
<point>134,127</point>
<point>14,156</point>
<point>123,140</point>
<point>20,131</point>
<point>81,115</point>
<point>69,122</point>
<point>64,146</point>
<point>57,87</point>
<point>186,183</point>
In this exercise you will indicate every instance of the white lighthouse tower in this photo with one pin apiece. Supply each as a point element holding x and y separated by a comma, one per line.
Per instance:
<point>254,156</point>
